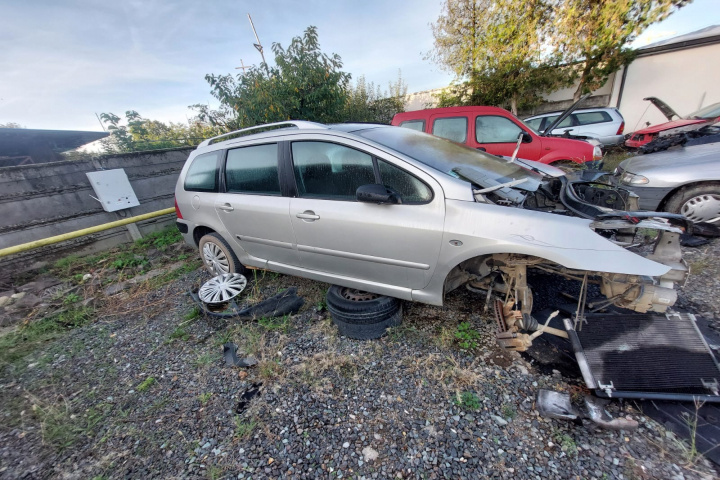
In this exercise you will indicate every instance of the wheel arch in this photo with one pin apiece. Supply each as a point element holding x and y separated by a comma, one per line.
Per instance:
<point>663,203</point>
<point>199,232</point>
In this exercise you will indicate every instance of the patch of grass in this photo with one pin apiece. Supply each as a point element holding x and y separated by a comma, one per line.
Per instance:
<point>203,360</point>
<point>179,334</point>
<point>270,369</point>
<point>168,277</point>
<point>214,472</point>
<point>204,397</point>
<point>160,239</point>
<point>508,411</point>
<point>244,428</point>
<point>192,314</point>
<point>128,259</point>
<point>467,401</point>
<point>146,384</point>
<point>612,159</point>
<point>699,265</point>
<point>566,442</point>
<point>25,339</point>
<point>281,324</point>
<point>71,298</point>
<point>466,336</point>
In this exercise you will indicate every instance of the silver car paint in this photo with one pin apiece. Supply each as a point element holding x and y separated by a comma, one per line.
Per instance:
<point>412,249</point>
<point>677,167</point>
<point>604,132</point>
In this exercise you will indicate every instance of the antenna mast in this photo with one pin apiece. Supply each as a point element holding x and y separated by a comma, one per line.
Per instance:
<point>258,45</point>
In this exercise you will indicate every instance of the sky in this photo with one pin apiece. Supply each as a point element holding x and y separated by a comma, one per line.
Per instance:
<point>63,62</point>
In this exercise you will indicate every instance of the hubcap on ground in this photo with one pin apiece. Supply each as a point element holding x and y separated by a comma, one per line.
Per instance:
<point>355,295</point>
<point>222,288</point>
<point>703,208</point>
<point>215,259</point>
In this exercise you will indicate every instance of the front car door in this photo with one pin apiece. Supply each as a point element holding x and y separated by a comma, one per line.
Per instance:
<point>498,135</point>
<point>252,207</point>
<point>395,245</point>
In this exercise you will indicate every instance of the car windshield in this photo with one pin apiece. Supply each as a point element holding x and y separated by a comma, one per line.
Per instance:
<point>444,155</point>
<point>711,111</point>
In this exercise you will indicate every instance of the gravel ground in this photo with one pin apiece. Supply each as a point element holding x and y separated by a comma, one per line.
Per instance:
<point>142,392</point>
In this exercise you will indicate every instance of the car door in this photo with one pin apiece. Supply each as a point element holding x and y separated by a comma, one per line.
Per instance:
<point>252,207</point>
<point>394,244</point>
<point>498,135</point>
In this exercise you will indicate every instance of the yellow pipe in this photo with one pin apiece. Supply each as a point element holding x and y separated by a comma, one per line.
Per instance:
<point>79,233</point>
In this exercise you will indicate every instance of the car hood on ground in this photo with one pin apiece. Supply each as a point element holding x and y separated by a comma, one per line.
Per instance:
<point>704,160</point>
<point>668,125</point>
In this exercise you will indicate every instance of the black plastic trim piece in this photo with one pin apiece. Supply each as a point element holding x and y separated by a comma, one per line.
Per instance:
<point>182,227</point>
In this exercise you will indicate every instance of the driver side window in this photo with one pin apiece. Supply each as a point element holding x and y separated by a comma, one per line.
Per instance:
<point>494,129</point>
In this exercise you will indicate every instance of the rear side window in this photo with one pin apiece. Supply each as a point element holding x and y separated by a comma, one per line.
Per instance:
<point>253,170</point>
<point>329,170</point>
<point>202,174</point>
<point>534,123</point>
<point>564,124</point>
<point>454,129</point>
<point>494,129</point>
<point>418,125</point>
<point>586,118</point>
<point>411,189</point>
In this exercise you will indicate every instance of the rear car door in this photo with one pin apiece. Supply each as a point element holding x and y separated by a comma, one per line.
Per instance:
<point>498,135</point>
<point>252,207</point>
<point>396,244</point>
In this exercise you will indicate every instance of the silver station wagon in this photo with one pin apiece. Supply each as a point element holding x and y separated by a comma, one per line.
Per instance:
<point>405,214</point>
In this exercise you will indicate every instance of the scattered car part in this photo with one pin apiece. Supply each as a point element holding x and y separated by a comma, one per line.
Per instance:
<point>231,358</point>
<point>222,288</point>
<point>691,122</point>
<point>250,393</point>
<point>552,404</point>
<point>283,303</point>
<point>598,414</point>
<point>362,315</point>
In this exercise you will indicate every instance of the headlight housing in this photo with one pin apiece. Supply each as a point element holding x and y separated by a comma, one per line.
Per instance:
<point>628,178</point>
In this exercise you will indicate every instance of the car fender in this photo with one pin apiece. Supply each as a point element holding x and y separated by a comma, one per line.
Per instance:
<point>476,229</point>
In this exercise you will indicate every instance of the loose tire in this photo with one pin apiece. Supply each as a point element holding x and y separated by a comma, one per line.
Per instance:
<point>700,203</point>
<point>218,257</point>
<point>362,315</point>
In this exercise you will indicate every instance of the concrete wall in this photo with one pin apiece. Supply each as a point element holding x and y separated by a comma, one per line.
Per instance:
<point>39,201</point>
<point>684,79</point>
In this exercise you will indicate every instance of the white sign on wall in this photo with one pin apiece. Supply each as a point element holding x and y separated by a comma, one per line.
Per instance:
<point>113,189</point>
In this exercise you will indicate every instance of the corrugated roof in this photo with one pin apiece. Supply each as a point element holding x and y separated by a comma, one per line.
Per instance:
<point>21,141</point>
<point>711,31</point>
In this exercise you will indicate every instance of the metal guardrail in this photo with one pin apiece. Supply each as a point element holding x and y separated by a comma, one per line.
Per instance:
<point>23,247</point>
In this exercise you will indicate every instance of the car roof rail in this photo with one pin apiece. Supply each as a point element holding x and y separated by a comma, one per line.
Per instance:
<point>294,123</point>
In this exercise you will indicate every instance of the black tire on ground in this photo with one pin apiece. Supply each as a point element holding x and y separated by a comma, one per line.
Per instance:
<point>362,315</point>
<point>699,203</point>
<point>218,257</point>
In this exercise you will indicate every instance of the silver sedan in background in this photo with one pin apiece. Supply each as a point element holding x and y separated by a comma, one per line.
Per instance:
<point>685,180</point>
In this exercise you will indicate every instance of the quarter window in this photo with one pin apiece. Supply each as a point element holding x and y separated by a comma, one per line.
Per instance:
<point>253,170</point>
<point>411,189</point>
<point>494,129</point>
<point>587,118</point>
<point>454,129</point>
<point>202,174</point>
<point>418,125</point>
<point>564,124</point>
<point>329,170</point>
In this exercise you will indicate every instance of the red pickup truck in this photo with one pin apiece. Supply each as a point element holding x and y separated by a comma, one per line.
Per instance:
<point>496,131</point>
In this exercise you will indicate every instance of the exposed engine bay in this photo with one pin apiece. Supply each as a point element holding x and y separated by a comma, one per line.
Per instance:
<point>502,278</point>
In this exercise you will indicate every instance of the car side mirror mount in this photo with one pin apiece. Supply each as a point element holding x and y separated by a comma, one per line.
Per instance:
<point>375,193</point>
<point>526,137</point>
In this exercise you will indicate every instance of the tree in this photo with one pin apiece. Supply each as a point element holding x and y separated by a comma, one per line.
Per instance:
<point>593,34</point>
<point>11,125</point>
<point>496,48</point>
<point>368,103</point>
<point>304,84</point>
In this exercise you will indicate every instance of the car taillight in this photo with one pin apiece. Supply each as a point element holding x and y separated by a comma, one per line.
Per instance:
<point>621,129</point>
<point>177,210</point>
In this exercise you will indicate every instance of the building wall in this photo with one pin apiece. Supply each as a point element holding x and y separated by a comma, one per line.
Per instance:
<point>40,201</point>
<point>684,79</point>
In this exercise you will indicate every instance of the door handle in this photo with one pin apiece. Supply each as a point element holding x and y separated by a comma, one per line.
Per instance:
<point>308,215</point>
<point>226,207</point>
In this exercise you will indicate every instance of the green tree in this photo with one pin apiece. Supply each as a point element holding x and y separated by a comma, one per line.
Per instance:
<point>368,103</point>
<point>497,50</point>
<point>593,34</point>
<point>11,125</point>
<point>304,84</point>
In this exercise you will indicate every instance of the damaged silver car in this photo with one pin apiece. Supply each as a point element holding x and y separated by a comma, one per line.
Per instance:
<point>405,214</point>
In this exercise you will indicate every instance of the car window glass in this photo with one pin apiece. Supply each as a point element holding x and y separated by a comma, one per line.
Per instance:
<point>564,124</point>
<point>494,129</point>
<point>586,118</point>
<point>253,170</point>
<point>418,125</point>
<point>534,123</point>
<point>411,189</point>
<point>329,170</point>
<point>454,129</point>
<point>202,174</point>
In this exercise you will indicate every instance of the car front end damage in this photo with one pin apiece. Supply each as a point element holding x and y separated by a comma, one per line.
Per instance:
<point>642,280</point>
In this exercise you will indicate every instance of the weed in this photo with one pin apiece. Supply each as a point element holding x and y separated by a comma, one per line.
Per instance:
<point>204,360</point>
<point>192,314</point>
<point>179,334</point>
<point>71,298</point>
<point>147,383</point>
<point>691,452</point>
<point>128,260</point>
<point>467,401</point>
<point>508,411</point>
<point>270,369</point>
<point>243,429</point>
<point>566,442</point>
<point>698,266</point>
<point>204,397</point>
<point>281,324</point>
<point>160,239</point>
<point>214,472</point>
<point>466,336</point>
<point>321,305</point>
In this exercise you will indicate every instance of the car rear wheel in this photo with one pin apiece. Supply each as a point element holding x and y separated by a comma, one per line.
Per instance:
<point>362,315</point>
<point>218,257</point>
<point>700,203</point>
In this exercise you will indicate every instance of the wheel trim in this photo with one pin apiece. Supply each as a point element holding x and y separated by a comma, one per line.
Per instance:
<point>222,288</point>
<point>355,295</point>
<point>702,208</point>
<point>215,259</point>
